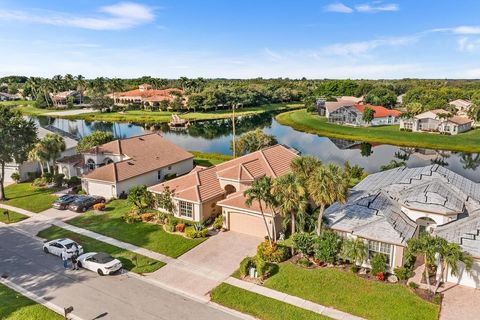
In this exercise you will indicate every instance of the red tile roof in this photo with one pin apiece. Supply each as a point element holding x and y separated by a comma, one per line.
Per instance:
<point>380,112</point>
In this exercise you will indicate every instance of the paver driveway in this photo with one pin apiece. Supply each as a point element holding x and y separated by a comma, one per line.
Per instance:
<point>208,264</point>
<point>460,302</point>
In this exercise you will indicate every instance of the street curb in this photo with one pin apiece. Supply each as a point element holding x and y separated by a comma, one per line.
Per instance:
<point>37,299</point>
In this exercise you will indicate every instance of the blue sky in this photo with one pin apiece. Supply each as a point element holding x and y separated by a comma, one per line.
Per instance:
<point>241,38</point>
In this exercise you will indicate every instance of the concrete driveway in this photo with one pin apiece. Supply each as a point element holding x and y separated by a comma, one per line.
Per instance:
<point>460,302</point>
<point>204,267</point>
<point>23,262</point>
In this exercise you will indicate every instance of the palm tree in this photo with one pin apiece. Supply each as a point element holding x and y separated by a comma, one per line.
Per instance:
<point>45,86</point>
<point>261,191</point>
<point>470,160</point>
<point>81,85</point>
<point>38,153</point>
<point>69,81</point>
<point>53,145</point>
<point>290,196</point>
<point>304,166</point>
<point>115,85</point>
<point>326,185</point>
<point>354,250</point>
<point>450,255</point>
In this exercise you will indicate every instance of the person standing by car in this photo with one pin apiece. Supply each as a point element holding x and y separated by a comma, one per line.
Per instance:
<point>74,261</point>
<point>64,256</point>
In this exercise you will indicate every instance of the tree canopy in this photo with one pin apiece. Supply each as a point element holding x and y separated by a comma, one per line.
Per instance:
<point>253,141</point>
<point>94,139</point>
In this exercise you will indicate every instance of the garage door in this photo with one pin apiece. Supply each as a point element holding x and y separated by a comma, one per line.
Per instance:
<point>466,278</point>
<point>99,189</point>
<point>247,224</point>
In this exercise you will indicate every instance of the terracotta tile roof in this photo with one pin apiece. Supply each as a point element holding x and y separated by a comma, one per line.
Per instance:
<point>149,94</point>
<point>460,120</point>
<point>237,200</point>
<point>203,184</point>
<point>145,153</point>
<point>76,160</point>
<point>380,112</point>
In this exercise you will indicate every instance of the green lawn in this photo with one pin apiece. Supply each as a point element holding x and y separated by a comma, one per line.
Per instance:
<point>131,261</point>
<point>14,306</point>
<point>26,107</point>
<point>209,159</point>
<point>166,116</point>
<point>301,120</point>
<point>28,197</point>
<point>146,235</point>
<point>259,306</point>
<point>348,292</point>
<point>14,216</point>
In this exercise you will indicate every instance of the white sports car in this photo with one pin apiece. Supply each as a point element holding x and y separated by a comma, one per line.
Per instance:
<point>100,262</point>
<point>57,246</point>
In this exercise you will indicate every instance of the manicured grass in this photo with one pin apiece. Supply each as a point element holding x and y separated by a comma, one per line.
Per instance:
<point>205,159</point>
<point>14,306</point>
<point>146,235</point>
<point>26,107</point>
<point>348,292</point>
<point>166,116</point>
<point>28,197</point>
<point>131,261</point>
<point>301,120</point>
<point>14,216</point>
<point>259,306</point>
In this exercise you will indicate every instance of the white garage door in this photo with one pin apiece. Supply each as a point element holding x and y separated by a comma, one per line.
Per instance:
<point>247,224</point>
<point>99,189</point>
<point>466,278</point>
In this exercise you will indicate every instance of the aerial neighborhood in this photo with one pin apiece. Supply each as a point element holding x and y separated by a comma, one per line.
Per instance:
<point>239,160</point>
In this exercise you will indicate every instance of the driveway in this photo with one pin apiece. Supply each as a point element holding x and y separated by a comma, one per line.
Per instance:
<point>460,302</point>
<point>23,262</point>
<point>204,267</point>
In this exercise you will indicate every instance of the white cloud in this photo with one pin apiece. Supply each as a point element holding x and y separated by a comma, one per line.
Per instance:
<point>272,55</point>
<point>122,15</point>
<point>377,7</point>
<point>466,44</point>
<point>364,47</point>
<point>338,7</point>
<point>466,30</point>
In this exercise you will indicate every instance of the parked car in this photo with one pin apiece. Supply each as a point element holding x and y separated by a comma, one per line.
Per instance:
<point>63,202</point>
<point>100,263</point>
<point>83,203</point>
<point>56,247</point>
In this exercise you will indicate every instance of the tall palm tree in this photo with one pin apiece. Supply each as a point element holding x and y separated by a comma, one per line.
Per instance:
<point>291,197</point>
<point>327,184</point>
<point>38,153</point>
<point>81,85</point>
<point>450,255</point>
<point>54,145</point>
<point>303,166</point>
<point>45,87</point>
<point>115,85</point>
<point>69,81</point>
<point>261,191</point>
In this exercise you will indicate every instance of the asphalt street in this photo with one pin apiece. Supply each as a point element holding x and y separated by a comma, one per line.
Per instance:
<point>23,262</point>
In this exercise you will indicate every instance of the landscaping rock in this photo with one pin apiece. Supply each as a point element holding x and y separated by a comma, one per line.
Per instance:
<point>362,271</point>
<point>392,278</point>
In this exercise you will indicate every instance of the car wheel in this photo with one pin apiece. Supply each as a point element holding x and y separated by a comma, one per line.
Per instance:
<point>45,249</point>
<point>100,272</point>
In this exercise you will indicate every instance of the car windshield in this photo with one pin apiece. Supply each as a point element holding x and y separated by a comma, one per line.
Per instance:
<point>65,197</point>
<point>80,200</point>
<point>69,245</point>
<point>102,258</point>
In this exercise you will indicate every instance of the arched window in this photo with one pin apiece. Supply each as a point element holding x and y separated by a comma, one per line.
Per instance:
<point>229,189</point>
<point>90,164</point>
<point>107,160</point>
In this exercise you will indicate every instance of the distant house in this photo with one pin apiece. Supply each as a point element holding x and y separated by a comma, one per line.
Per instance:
<point>462,106</point>
<point>146,95</point>
<point>113,168</point>
<point>351,98</point>
<point>350,113</point>
<point>437,120</point>
<point>8,97</point>
<point>207,192</point>
<point>388,208</point>
<point>62,98</point>
<point>23,169</point>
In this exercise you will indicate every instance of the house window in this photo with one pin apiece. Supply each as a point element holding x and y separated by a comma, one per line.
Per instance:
<point>159,174</point>
<point>186,209</point>
<point>380,247</point>
<point>169,167</point>
<point>90,164</point>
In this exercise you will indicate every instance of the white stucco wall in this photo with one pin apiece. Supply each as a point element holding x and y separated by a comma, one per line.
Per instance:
<point>438,218</point>
<point>466,278</point>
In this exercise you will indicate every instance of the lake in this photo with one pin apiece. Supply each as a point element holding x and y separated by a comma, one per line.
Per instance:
<point>216,136</point>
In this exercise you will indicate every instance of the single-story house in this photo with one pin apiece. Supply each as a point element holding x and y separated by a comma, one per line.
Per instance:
<point>211,191</point>
<point>33,166</point>
<point>146,95</point>
<point>62,98</point>
<point>437,120</point>
<point>462,106</point>
<point>8,97</point>
<point>111,169</point>
<point>350,113</point>
<point>388,208</point>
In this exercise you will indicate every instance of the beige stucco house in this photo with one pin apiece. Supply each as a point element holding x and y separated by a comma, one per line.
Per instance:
<point>438,121</point>
<point>219,190</point>
<point>388,208</point>
<point>115,167</point>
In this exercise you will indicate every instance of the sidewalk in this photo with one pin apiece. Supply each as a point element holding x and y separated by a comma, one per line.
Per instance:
<point>295,301</point>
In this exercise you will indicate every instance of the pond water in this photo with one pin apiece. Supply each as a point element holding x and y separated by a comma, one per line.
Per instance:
<point>216,136</point>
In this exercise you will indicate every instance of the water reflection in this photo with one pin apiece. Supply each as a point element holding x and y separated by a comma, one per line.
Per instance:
<point>215,136</point>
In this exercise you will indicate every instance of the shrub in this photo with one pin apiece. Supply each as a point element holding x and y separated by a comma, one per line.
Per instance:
<point>162,216</point>
<point>379,263</point>
<point>32,175</point>
<point>261,267</point>
<point>39,182</point>
<point>82,192</point>
<point>413,285</point>
<point>172,221</point>
<point>437,299</point>
<point>380,276</point>
<point>245,265</point>
<point>303,243</point>
<point>326,247</point>
<point>304,262</point>
<point>190,232</point>
<point>15,177</point>
<point>218,222</point>
<point>198,226</point>
<point>180,227</point>
<point>148,216</point>
<point>403,273</point>
<point>272,253</point>
<point>58,179</point>
<point>169,227</point>
<point>312,108</point>
<point>355,268</point>
<point>99,206</point>
<point>48,177</point>
<point>139,197</point>
<point>131,217</point>
<point>74,181</point>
